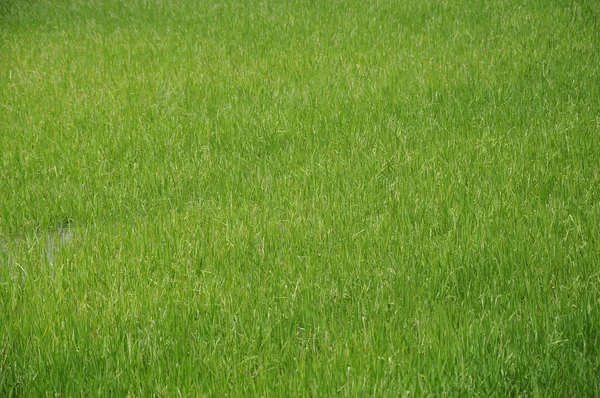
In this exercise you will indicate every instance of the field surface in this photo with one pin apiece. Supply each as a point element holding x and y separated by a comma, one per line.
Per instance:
<point>305,198</point>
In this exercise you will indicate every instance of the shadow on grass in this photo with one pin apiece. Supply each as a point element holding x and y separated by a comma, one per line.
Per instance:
<point>10,9</point>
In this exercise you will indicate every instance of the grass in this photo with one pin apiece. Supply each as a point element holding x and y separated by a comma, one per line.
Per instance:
<point>310,198</point>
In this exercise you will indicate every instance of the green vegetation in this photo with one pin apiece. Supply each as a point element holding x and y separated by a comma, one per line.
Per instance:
<point>259,198</point>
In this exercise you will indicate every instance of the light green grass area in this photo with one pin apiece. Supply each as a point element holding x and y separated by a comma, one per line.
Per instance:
<point>305,198</point>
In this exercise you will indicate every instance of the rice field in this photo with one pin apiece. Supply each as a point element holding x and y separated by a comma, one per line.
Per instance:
<point>299,198</point>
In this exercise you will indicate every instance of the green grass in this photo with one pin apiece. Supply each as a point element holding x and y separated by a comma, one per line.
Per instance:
<point>308,198</point>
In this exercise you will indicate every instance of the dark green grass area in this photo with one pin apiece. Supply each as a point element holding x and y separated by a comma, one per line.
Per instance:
<point>253,198</point>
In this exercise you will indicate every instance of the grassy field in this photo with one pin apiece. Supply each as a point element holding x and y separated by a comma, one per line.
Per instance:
<point>306,198</point>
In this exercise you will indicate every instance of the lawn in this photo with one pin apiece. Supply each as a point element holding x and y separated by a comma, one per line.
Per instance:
<point>299,198</point>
